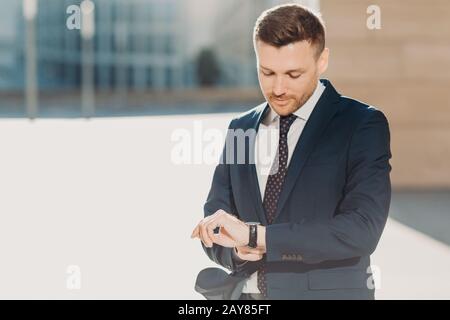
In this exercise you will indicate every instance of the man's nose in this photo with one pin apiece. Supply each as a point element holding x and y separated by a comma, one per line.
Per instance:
<point>279,88</point>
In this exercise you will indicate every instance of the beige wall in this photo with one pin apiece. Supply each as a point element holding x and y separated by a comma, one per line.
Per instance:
<point>404,70</point>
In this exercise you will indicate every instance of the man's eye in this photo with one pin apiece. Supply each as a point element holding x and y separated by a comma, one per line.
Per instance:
<point>295,77</point>
<point>267,74</point>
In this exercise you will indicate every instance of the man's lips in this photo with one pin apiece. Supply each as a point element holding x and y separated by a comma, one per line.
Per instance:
<point>281,102</point>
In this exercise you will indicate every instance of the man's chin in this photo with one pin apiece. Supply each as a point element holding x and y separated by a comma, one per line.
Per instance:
<point>285,113</point>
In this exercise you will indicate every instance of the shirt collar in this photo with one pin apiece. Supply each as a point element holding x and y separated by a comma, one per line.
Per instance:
<point>304,111</point>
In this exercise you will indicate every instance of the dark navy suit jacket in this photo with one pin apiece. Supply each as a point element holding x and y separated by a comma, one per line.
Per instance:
<point>332,208</point>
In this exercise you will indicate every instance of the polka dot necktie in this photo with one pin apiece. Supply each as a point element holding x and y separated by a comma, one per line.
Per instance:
<point>274,185</point>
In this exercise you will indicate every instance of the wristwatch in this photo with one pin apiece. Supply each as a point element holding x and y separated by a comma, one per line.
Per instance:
<point>253,234</point>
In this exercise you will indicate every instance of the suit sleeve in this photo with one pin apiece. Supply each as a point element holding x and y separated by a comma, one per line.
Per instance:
<point>220,196</point>
<point>356,228</point>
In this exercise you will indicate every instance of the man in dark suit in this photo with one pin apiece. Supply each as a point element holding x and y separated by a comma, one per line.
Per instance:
<point>297,217</point>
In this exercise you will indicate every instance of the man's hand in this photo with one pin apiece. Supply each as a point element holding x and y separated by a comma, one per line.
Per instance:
<point>249,254</point>
<point>232,231</point>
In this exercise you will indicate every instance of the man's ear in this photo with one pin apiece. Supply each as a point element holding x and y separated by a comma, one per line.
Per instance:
<point>323,61</point>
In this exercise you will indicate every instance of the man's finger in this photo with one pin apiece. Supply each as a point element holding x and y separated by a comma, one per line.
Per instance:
<point>210,230</point>
<point>251,250</point>
<point>254,257</point>
<point>204,234</point>
<point>195,232</point>
<point>250,256</point>
<point>212,224</point>
<point>254,251</point>
<point>201,230</point>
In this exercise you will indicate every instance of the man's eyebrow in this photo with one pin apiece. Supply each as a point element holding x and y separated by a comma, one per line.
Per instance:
<point>289,71</point>
<point>296,70</point>
<point>265,68</point>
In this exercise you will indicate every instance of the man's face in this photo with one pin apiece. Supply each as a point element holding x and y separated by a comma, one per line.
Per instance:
<point>288,75</point>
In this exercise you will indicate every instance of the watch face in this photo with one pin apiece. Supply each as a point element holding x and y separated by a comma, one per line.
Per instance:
<point>252,235</point>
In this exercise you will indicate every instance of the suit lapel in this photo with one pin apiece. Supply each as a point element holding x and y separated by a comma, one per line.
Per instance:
<point>249,169</point>
<point>316,124</point>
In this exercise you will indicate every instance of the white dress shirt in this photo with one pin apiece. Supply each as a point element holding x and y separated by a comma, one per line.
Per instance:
<point>266,146</point>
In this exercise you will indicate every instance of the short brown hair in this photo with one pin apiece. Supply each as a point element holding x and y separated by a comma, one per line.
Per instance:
<point>288,23</point>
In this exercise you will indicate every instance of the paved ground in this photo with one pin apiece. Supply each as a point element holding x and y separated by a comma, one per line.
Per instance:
<point>104,195</point>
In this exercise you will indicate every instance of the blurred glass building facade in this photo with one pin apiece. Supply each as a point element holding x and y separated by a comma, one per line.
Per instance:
<point>137,44</point>
<point>10,76</point>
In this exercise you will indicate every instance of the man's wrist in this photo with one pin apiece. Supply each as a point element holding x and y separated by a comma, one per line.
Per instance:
<point>260,235</point>
<point>261,240</point>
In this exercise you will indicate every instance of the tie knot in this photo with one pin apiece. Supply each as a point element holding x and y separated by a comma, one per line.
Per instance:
<point>286,122</point>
